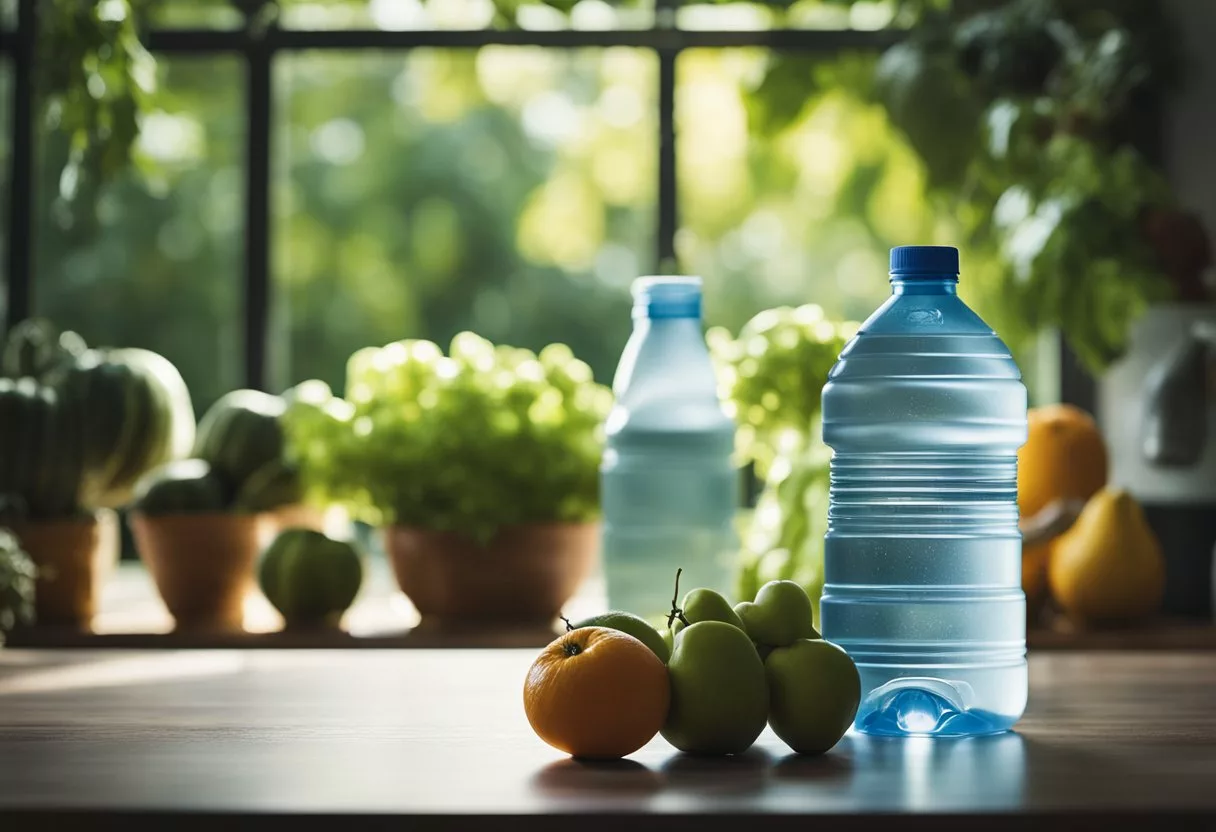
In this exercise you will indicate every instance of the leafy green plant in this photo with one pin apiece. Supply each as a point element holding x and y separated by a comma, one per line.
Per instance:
<point>772,375</point>
<point>484,437</point>
<point>1033,118</point>
<point>17,575</point>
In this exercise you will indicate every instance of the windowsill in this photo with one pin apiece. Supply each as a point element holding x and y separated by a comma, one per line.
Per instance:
<point>133,615</point>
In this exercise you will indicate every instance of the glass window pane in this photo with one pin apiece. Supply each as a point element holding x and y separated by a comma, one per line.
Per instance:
<point>506,190</point>
<point>211,14</point>
<point>462,14</point>
<point>156,262</point>
<point>775,213</point>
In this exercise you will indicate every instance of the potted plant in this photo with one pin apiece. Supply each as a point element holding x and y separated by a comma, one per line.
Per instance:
<point>78,427</point>
<point>200,523</point>
<point>482,467</point>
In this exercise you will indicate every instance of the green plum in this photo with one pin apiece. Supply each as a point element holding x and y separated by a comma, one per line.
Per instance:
<point>780,615</point>
<point>719,696</point>
<point>707,605</point>
<point>669,639</point>
<point>814,690</point>
<point>633,625</point>
<point>741,610</point>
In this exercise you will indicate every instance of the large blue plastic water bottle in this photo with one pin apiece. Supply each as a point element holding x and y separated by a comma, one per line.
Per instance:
<point>925,412</point>
<point>669,489</point>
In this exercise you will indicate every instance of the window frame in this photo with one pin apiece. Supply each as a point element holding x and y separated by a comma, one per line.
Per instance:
<point>260,39</point>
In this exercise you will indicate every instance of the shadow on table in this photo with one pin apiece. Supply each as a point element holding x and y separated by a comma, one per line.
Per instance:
<point>834,767</point>
<point>733,775</point>
<point>897,774</point>
<point>608,778</point>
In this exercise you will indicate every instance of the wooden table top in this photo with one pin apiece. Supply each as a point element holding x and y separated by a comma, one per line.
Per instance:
<point>1110,738</point>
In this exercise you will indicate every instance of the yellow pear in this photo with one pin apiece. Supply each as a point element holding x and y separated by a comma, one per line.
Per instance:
<point>1108,566</point>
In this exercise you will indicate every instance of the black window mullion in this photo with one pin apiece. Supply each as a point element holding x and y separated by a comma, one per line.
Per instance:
<point>668,197</point>
<point>825,42</point>
<point>256,308</point>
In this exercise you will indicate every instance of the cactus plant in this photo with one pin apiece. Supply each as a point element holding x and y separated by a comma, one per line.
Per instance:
<point>79,426</point>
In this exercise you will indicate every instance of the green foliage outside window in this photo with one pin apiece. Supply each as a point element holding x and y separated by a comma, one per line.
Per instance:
<point>1026,125</point>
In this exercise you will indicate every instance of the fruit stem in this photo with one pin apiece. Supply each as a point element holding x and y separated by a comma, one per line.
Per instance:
<point>569,626</point>
<point>676,612</point>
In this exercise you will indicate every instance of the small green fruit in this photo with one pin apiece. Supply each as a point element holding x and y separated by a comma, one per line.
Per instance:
<point>707,605</point>
<point>719,696</point>
<point>309,578</point>
<point>742,610</point>
<point>814,691</point>
<point>780,615</point>
<point>633,625</point>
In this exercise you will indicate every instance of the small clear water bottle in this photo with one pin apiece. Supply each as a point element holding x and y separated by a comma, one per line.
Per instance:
<point>925,412</point>
<point>669,488</point>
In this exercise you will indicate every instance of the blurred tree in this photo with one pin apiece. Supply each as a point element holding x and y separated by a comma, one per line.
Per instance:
<point>497,190</point>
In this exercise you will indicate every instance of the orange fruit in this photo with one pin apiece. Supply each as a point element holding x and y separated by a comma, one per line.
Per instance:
<point>597,693</point>
<point>1064,458</point>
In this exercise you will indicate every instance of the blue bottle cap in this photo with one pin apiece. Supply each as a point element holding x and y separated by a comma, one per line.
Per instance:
<point>924,261</point>
<point>665,296</point>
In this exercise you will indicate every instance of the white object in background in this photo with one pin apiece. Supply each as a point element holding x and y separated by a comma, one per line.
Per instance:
<point>1121,413</point>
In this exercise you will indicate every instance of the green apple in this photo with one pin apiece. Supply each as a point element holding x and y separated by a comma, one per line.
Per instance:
<point>635,626</point>
<point>742,610</point>
<point>719,696</point>
<point>707,605</point>
<point>814,690</point>
<point>780,615</point>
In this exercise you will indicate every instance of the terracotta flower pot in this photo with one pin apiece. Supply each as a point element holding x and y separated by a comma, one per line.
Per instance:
<point>523,576</point>
<point>203,565</point>
<point>74,557</point>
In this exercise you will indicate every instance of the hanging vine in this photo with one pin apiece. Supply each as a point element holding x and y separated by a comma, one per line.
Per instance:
<point>94,80</point>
